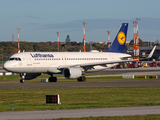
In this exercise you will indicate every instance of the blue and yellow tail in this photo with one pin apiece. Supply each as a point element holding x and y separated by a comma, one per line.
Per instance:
<point>118,44</point>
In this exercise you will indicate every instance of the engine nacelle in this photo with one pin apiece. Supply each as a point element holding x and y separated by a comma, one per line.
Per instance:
<point>71,73</point>
<point>29,76</point>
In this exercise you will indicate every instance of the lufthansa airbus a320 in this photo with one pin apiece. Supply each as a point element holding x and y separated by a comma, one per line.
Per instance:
<point>71,64</point>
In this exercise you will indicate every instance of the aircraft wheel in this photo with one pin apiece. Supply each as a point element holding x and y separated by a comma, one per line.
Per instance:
<point>22,81</point>
<point>81,79</point>
<point>52,79</point>
<point>78,79</point>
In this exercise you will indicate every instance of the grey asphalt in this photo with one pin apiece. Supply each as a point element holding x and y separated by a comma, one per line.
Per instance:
<point>113,83</point>
<point>78,113</point>
<point>87,84</point>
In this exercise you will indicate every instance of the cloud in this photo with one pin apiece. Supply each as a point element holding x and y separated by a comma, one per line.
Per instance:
<point>96,28</point>
<point>106,23</point>
<point>31,24</point>
<point>33,17</point>
<point>23,16</point>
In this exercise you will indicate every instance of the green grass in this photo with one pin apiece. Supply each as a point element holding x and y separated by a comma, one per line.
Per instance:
<point>16,78</point>
<point>136,117</point>
<point>73,98</point>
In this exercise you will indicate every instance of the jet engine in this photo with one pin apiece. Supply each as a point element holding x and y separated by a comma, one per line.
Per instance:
<point>71,73</point>
<point>29,76</point>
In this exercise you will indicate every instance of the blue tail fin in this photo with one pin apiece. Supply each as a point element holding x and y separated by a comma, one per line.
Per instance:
<point>91,47</point>
<point>118,44</point>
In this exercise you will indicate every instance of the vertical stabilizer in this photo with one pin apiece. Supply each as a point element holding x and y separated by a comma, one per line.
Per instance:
<point>118,44</point>
<point>91,47</point>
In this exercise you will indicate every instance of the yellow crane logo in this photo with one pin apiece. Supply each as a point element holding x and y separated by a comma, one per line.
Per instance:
<point>121,38</point>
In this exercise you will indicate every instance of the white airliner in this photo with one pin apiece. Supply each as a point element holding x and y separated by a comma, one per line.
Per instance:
<point>70,64</point>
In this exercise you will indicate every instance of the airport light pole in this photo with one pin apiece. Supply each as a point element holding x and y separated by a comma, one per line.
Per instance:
<point>137,40</point>
<point>18,40</point>
<point>12,37</point>
<point>134,40</point>
<point>84,23</point>
<point>58,41</point>
<point>108,39</point>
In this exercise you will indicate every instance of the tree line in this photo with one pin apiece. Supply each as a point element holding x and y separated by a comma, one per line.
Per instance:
<point>8,48</point>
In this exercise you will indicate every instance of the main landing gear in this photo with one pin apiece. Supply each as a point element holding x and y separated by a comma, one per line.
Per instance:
<point>52,79</point>
<point>81,79</point>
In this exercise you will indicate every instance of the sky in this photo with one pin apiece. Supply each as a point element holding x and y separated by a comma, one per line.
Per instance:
<point>39,20</point>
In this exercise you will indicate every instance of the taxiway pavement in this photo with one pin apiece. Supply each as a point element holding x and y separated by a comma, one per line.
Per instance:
<point>87,84</point>
<point>78,113</point>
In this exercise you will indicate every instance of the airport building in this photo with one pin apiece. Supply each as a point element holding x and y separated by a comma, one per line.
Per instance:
<point>144,51</point>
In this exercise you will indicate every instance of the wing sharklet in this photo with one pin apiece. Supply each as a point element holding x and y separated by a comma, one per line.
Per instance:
<point>151,53</point>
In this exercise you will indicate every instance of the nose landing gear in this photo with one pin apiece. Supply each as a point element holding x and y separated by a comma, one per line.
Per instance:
<point>22,81</point>
<point>23,77</point>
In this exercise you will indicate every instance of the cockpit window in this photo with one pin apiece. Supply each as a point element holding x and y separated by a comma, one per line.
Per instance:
<point>16,59</point>
<point>11,59</point>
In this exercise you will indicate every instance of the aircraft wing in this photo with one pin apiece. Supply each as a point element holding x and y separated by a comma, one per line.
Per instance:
<point>94,64</point>
<point>105,62</point>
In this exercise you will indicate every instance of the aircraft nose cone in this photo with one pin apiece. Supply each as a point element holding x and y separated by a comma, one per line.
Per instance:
<point>6,66</point>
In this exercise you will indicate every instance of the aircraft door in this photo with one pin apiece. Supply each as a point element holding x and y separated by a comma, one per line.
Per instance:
<point>29,60</point>
<point>63,60</point>
<point>111,57</point>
